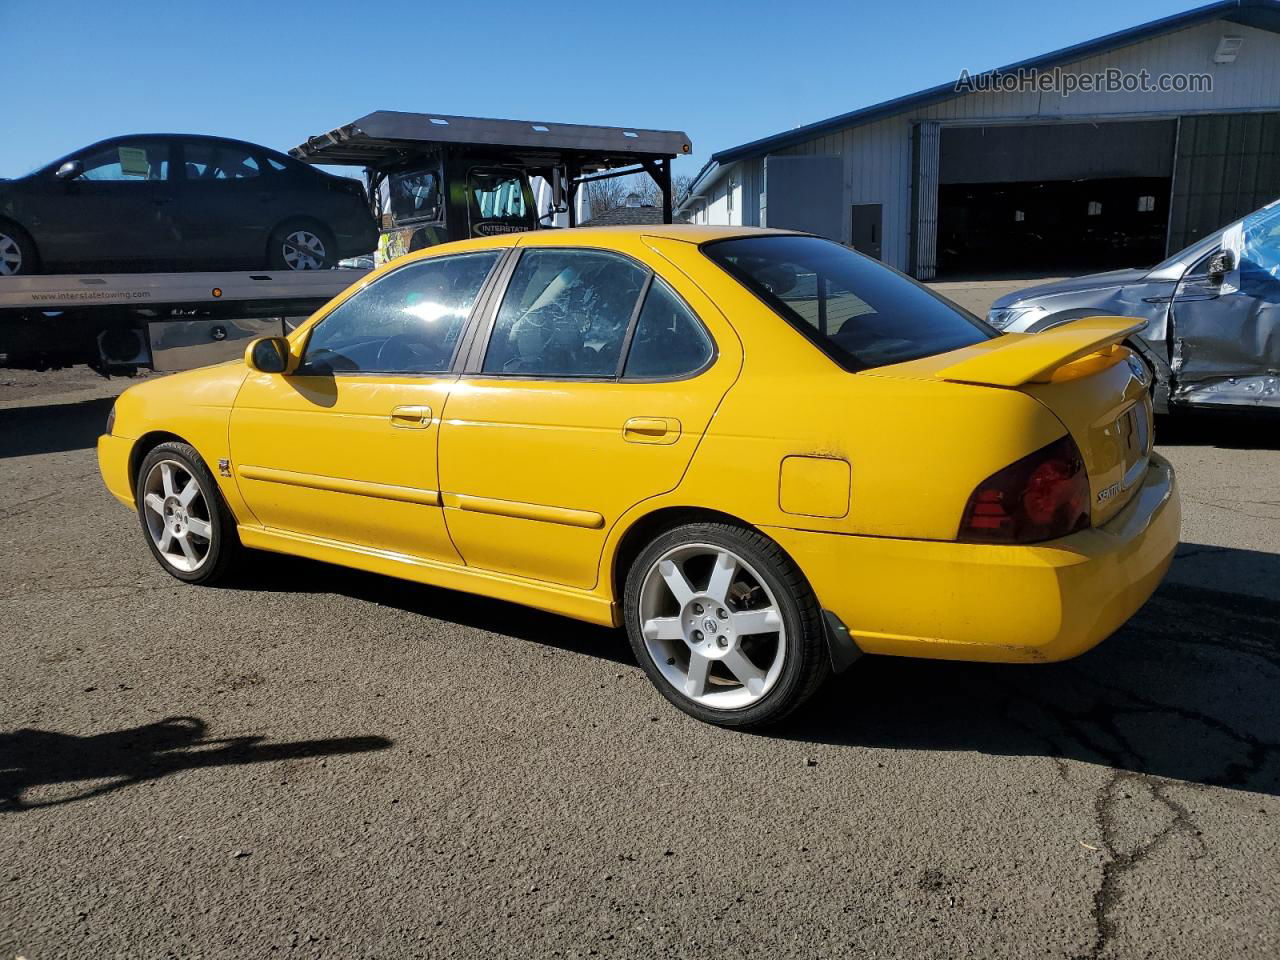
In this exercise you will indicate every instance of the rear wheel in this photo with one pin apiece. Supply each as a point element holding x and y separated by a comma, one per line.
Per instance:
<point>725,624</point>
<point>17,252</point>
<point>301,246</point>
<point>188,527</point>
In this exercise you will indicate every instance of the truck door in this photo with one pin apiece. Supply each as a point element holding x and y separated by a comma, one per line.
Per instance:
<point>1226,324</point>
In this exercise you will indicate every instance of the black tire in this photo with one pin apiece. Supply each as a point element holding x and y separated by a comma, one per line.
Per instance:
<point>278,247</point>
<point>223,543</point>
<point>18,255</point>
<point>806,663</point>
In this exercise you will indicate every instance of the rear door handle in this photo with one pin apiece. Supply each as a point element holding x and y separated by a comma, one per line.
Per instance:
<point>651,430</point>
<point>411,418</point>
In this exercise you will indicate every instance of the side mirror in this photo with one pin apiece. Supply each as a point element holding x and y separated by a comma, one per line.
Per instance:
<point>70,170</point>
<point>1220,264</point>
<point>268,355</point>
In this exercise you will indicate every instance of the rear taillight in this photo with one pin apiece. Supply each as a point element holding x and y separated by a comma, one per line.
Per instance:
<point>1043,496</point>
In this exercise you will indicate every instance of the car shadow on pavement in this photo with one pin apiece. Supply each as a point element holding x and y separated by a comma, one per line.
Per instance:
<point>285,574</point>
<point>1186,690</point>
<point>52,428</point>
<point>74,767</point>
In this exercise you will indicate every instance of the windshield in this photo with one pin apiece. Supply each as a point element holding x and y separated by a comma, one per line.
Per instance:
<point>859,312</point>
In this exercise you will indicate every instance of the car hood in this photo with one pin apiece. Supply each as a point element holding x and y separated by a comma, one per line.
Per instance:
<point>1094,281</point>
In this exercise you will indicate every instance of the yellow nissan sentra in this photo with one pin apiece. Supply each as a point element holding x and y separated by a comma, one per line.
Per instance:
<point>763,453</point>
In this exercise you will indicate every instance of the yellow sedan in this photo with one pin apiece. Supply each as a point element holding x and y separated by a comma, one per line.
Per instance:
<point>763,453</point>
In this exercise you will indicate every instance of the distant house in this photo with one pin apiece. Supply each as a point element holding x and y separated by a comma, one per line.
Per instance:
<point>632,212</point>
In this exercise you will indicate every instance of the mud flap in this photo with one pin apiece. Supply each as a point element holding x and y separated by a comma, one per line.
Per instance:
<point>841,646</point>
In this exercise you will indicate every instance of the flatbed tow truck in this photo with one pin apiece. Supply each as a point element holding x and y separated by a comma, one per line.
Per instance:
<point>431,178</point>
<point>121,322</point>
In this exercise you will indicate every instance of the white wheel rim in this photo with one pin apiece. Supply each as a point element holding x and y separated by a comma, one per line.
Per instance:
<point>699,588</point>
<point>10,256</point>
<point>303,250</point>
<point>177,516</point>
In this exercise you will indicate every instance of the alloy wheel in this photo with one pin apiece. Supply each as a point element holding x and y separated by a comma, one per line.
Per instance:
<point>10,256</point>
<point>303,250</point>
<point>712,626</point>
<point>177,516</point>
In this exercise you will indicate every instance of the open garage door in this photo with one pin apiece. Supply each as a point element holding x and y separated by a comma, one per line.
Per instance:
<point>1054,197</point>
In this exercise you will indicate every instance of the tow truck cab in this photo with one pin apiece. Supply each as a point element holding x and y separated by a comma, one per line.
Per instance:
<point>433,178</point>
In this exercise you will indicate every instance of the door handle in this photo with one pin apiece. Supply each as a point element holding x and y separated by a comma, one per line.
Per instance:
<point>161,201</point>
<point>411,418</point>
<point>651,430</point>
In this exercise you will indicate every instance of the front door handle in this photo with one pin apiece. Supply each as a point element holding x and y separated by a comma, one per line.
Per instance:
<point>651,430</point>
<point>411,418</point>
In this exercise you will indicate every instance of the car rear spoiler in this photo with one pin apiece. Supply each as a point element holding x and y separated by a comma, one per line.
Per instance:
<point>1017,358</point>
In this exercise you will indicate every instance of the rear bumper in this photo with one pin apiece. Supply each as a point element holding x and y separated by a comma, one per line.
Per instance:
<point>113,462</point>
<point>958,601</point>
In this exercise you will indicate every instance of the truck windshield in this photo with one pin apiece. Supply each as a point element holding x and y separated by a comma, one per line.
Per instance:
<point>497,194</point>
<point>861,313</point>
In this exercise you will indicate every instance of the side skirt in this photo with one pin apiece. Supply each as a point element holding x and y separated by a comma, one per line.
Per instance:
<point>565,601</point>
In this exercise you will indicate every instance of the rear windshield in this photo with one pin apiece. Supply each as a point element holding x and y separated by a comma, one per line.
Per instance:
<point>859,312</point>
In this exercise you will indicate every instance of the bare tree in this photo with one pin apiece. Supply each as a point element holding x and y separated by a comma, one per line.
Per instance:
<point>605,195</point>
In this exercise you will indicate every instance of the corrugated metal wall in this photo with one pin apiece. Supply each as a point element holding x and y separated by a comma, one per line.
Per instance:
<point>878,156</point>
<point>1225,168</point>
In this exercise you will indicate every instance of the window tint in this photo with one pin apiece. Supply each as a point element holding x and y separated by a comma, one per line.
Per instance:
<point>407,322</point>
<point>210,160</point>
<point>565,314</point>
<point>668,342</point>
<point>276,165</point>
<point>132,160</point>
<point>859,312</point>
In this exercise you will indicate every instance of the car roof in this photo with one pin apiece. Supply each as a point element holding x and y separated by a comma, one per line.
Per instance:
<point>605,236</point>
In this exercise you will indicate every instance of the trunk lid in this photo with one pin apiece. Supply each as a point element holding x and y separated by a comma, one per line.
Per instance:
<point>1097,388</point>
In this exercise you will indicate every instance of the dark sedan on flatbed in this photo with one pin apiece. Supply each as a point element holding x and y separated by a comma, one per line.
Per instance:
<point>155,202</point>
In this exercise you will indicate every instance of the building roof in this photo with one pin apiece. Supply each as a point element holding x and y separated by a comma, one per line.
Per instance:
<point>1261,14</point>
<point>626,216</point>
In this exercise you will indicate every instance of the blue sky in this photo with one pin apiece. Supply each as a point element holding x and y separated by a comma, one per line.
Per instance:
<point>275,72</point>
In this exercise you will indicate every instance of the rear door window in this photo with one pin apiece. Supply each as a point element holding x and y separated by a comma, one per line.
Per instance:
<point>669,342</point>
<point>859,312</point>
<point>565,314</point>
<point>211,160</point>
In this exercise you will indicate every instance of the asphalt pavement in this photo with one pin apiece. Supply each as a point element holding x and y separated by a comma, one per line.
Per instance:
<point>314,762</point>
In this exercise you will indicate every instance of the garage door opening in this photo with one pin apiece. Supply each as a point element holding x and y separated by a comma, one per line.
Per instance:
<point>1053,198</point>
<point>1052,225</point>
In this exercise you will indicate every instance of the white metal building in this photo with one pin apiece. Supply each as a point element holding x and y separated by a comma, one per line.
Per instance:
<point>994,176</point>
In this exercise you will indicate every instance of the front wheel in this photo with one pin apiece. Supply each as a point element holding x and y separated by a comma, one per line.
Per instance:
<point>188,527</point>
<point>300,246</point>
<point>725,624</point>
